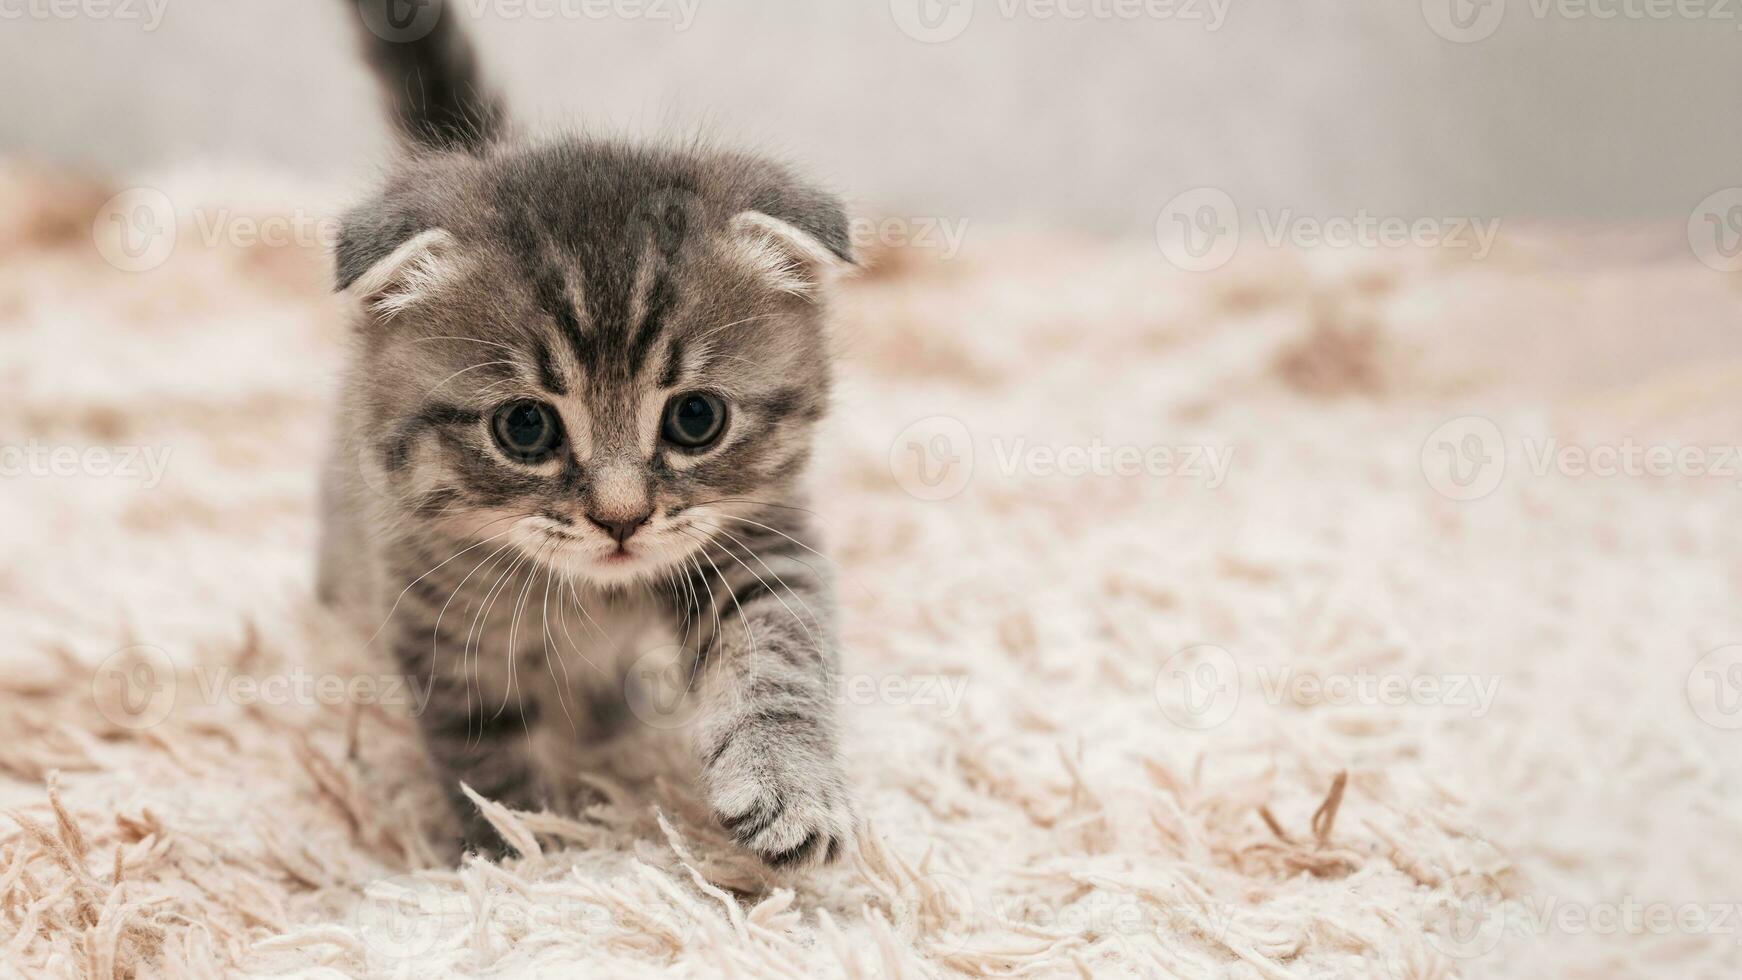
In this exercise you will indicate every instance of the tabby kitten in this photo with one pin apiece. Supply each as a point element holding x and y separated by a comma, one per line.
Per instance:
<point>581,392</point>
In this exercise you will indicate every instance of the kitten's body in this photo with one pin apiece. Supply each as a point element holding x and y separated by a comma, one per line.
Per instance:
<point>633,298</point>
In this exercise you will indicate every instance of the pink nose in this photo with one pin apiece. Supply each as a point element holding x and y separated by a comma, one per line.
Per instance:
<point>621,530</point>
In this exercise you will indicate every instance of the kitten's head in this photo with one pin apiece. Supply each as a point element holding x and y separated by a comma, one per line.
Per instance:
<point>595,353</point>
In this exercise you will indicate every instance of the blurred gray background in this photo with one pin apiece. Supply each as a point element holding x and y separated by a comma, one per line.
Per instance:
<point>1024,116</point>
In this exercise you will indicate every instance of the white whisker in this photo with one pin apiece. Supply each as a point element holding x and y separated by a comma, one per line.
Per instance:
<point>802,624</point>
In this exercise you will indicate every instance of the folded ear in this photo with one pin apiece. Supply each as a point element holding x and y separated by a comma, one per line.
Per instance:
<point>811,210</point>
<point>404,276</point>
<point>789,258</point>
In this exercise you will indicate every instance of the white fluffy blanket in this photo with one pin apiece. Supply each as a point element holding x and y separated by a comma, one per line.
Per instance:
<point>1170,649</point>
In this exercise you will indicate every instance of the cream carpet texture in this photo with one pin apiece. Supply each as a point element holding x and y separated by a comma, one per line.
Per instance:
<point>1329,614</point>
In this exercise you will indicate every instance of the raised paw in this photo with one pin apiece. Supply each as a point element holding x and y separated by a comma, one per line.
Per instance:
<point>789,804</point>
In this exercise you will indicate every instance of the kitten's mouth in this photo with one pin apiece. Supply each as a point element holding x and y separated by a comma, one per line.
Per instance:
<point>584,555</point>
<point>623,554</point>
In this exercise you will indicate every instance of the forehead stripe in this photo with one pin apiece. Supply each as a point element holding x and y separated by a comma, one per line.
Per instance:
<point>549,285</point>
<point>547,372</point>
<point>660,299</point>
<point>673,363</point>
<point>552,289</point>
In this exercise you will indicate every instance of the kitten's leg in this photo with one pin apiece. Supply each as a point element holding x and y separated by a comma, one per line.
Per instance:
<point>479,737</point>
<point>766,728</point>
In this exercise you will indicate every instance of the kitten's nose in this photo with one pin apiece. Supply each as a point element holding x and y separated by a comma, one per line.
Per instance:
<point>621,530</point>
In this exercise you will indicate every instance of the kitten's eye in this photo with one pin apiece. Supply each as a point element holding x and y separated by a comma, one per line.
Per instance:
<point>527,430</point>
<point>694,420</point>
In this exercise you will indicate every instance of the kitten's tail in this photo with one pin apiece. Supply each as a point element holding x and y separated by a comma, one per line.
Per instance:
<point>430,72</point>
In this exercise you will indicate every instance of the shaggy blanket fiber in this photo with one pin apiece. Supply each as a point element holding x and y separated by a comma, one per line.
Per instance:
<point>1298,619</point>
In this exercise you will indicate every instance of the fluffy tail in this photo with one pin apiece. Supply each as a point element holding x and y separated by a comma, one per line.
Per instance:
<point>430,72</point>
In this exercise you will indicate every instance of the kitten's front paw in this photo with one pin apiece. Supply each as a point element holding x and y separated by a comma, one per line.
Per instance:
<point>786,802</point>
<point>478,836</point>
